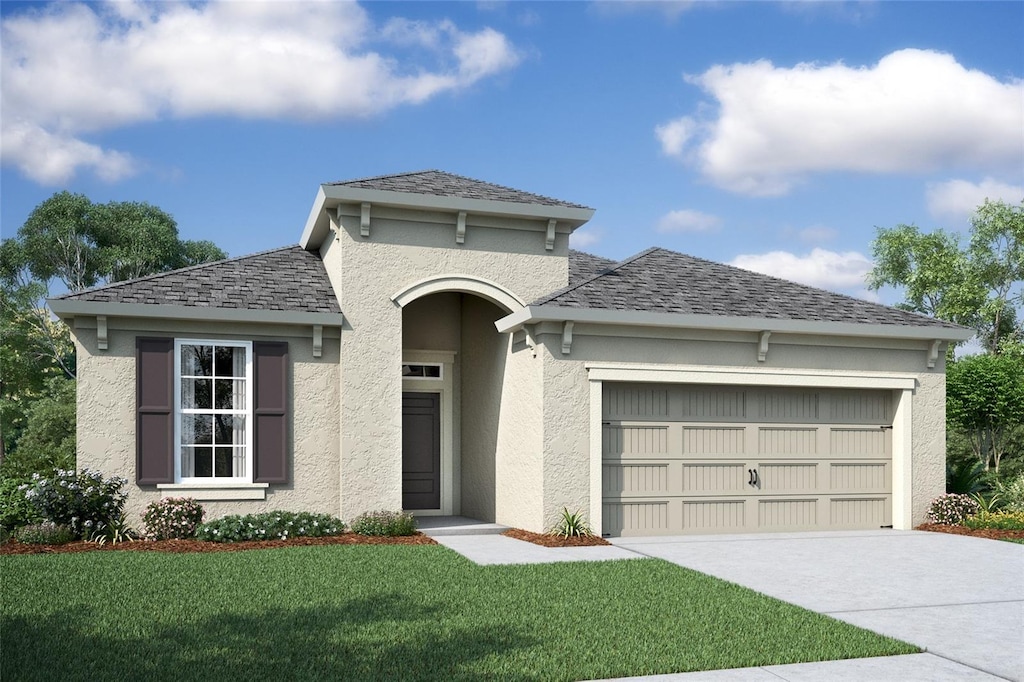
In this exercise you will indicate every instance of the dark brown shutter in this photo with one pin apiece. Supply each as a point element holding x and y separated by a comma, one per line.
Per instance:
<point>270,411</point>
<point>154,405</point>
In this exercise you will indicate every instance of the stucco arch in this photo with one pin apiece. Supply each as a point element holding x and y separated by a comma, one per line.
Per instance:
<point>484,288</point>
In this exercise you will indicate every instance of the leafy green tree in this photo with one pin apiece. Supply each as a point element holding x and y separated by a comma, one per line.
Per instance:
<point>47,442</point>
<point>985,399</point>
<point>980,285</point>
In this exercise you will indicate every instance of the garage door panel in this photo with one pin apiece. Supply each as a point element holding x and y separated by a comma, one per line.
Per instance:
<point>700,441</point>
<point>861,407</point>
<point>713,477</point>
<point>625,440</point>
<point>636,402</point>
<point>789,406</point>
<point>776,514</point>
<point>633,479</point>
<point>860,512</point>
<point>636,518</point>
<point>874,477</point>
<point>709,404</point>
<point>863,442</point>
<point>789,477</point>
<point>714,516</point>
<point>788,441</point>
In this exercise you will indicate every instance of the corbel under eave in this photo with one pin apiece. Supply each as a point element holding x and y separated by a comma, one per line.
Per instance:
<point>531,340</point>
<point>567,337</point>
<point>364,220</point>
<point>460,228</point>
<point>549,241</point>
<point>933,353</point>
<point>101,332</point>
<point>762,346</point>
<point>318,340</point>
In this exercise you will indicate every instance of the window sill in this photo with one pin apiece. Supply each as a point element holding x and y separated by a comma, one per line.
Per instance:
<point>215,491</point>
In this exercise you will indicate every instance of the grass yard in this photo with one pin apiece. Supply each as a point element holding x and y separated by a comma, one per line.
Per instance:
<point>390,613</point>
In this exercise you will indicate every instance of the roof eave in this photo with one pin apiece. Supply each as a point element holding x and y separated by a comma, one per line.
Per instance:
<point>68,309</point>
<point>330,196</point>
<point>533,314</point>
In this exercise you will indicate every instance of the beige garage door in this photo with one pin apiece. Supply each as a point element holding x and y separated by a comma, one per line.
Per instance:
<point>699,459</point>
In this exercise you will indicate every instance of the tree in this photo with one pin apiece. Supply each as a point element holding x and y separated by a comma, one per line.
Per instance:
<point>985,398</point>
<point>978,286</point>
<point>47,441</point>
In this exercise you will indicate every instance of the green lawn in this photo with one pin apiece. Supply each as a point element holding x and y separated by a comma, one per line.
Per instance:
<point>389,613</point>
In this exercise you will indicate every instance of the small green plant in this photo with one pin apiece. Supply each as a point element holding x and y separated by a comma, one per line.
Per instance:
<point>386,523</point>
<point>15,510</point>
<point>965,477</point>
<point>83,501</point>
<point>987,503</point>
<point>44,533</point>
<point>115,532</point>
<point>1011,493</point>
<point>173,518</point>
<point>270,526</point>
<point>1001,520</point>
<point>572,525</point>
<point>952,509</point>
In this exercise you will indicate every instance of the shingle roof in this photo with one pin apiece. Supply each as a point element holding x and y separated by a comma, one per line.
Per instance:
<point>663,281</point>
<point>584,265</point>
<point>442,184</point>
<point>289,278</point>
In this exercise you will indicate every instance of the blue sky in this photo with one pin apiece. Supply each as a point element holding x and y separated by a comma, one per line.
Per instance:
<point>775,136</point>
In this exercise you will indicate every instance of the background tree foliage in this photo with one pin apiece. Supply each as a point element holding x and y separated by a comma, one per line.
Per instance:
<point>985,400</point>
<point>69,240</point>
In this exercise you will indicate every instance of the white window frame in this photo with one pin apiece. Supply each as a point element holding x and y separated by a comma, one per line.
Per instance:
<point>247,413</point>
<point>440,371</point>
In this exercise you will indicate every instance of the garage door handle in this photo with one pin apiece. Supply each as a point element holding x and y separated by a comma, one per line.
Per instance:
<point>755,480</point>
<point>751,480</point>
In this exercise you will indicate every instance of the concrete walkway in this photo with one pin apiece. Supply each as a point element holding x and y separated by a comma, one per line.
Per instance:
<point>959,598</point>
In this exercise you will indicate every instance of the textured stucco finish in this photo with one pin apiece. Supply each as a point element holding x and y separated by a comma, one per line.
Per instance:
<point>405,247</point>
<point>106,416</point>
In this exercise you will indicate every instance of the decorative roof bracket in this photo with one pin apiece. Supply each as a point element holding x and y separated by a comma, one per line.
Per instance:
<point>762,346</point>
<point>364,220</point>
<point>933,353</point>
<point>549,242</point>
<point>318,340</point>
<point>567,336</point>
<point>460,228</point>
<point>531,340</point>
<point>101,332</point>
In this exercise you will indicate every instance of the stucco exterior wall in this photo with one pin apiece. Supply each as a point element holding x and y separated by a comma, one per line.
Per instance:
<point>405,247</point>
<point>106,413</point>
<point>566,399</point>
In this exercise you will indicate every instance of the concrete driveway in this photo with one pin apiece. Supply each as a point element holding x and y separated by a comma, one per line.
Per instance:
<point>958,597</point>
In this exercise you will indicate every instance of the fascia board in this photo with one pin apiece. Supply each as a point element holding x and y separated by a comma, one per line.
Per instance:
<point>342,194</point>
<point>533,314</point>
<point>747,376</point>
<point>69,309</point>
<point>317,224</point>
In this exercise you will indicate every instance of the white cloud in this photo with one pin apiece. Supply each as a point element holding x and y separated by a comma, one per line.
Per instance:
<point>71,69</point>
<point>820,268</point>
<point>957,199</point>
<point>687,221</point>
<point>913,111</point>
<point>586,237</point>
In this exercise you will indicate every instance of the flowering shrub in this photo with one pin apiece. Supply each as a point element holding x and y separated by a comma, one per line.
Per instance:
<point>15,510</point>
<point>386,523</point>
<point>173,518</point>
<point>952,509</point>
<point>45,533</point>
<point>84,502</point>
<point>270,526</point>
<point>1011,494</point>
<point>1001,520</point>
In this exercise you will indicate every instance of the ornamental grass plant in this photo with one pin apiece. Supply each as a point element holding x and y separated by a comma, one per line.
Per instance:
<point>384,523</point>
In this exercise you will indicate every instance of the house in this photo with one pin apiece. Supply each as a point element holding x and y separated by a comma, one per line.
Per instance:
<point>433,344</point>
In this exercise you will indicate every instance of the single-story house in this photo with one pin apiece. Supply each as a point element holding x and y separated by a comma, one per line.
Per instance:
<point>433,344</point>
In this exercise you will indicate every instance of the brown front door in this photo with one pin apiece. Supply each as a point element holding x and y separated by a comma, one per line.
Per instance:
<point>421,450</point>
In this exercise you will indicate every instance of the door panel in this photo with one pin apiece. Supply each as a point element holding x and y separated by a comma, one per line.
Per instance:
<point>421,451</point>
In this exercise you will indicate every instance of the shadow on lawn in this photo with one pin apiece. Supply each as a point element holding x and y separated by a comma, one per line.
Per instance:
<point>365,639</point>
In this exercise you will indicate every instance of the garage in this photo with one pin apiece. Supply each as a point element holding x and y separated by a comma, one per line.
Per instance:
<point>679,458</point>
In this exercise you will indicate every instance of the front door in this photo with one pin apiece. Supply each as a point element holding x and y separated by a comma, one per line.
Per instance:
<point>421,450</point>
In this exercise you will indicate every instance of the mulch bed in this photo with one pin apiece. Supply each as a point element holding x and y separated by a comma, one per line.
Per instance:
<point>182,546</point>
<point>548,540</point>
<point>990,533</point>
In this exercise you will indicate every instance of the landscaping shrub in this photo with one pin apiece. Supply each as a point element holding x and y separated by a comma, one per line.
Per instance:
<point>15,510</point>
<point>572,525</point>
<point>85,502</point>
<point>45,533</point>
<point>1011,494</point>
<point>173,518</point>
<point>270,526</point>
<point>1001,520</point>
<point>387,523</point>
<point>966,477</point>
<point>952,509</point>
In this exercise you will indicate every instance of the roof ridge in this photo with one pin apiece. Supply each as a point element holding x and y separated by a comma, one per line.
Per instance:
<point>596,275</point>
<point>388,175</point>
<point>187,268</point>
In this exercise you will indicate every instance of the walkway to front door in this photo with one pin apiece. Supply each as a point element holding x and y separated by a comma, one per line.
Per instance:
<point>421,450</point>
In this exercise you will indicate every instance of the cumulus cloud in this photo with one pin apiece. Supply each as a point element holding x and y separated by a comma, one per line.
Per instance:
<point>819,268</point>
<point>913,111</point>
<point>71,69</point>
<point>687,221</point>
<point>586,237</point>
<point>957,199</point>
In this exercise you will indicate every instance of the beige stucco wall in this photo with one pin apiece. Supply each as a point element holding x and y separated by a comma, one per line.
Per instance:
<point>566,399</point>
<point>106,412</point>
<point>405,247</point>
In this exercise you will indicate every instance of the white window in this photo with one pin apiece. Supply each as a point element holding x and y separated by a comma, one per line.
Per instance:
<point>213,416</point>
<point>429,370</point>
